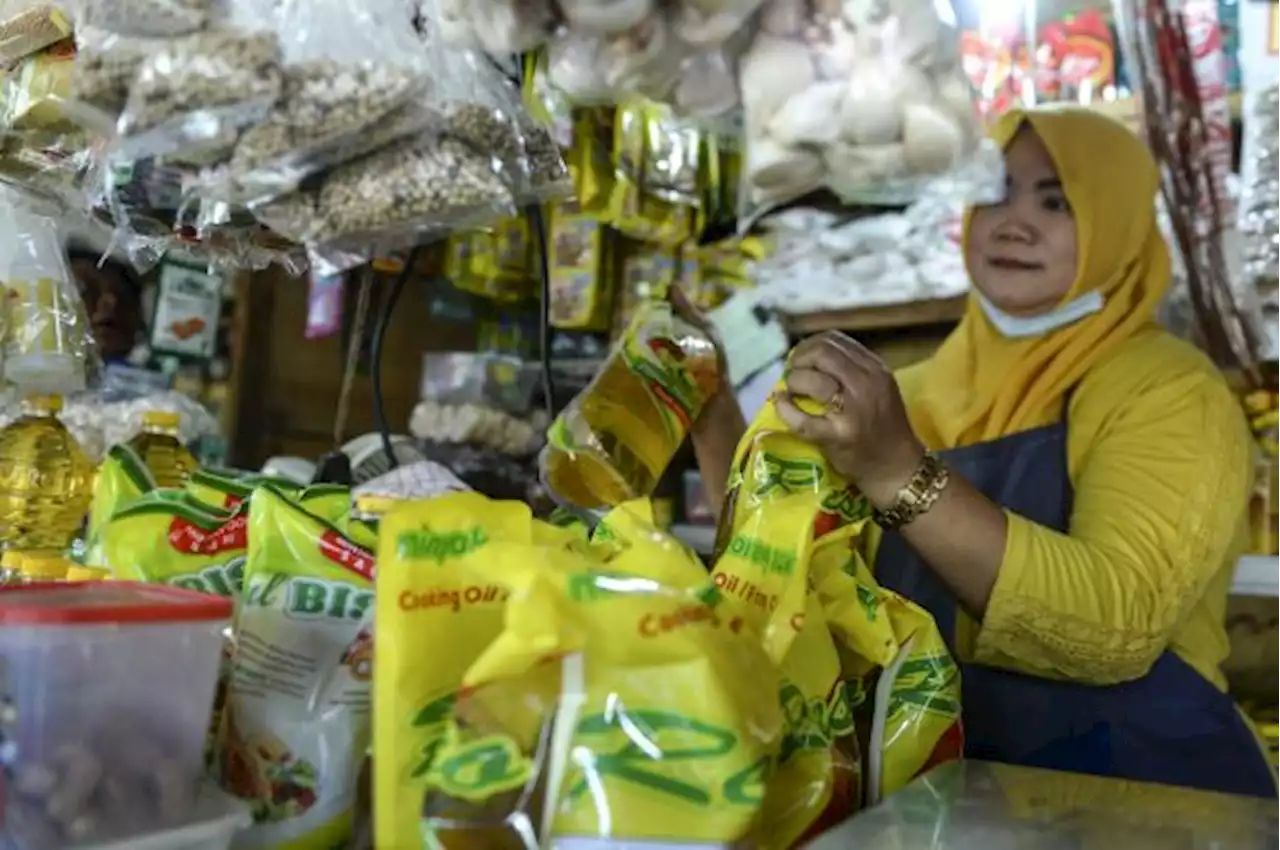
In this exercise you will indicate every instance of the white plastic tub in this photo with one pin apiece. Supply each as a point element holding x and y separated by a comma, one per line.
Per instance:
<point>107,690</point>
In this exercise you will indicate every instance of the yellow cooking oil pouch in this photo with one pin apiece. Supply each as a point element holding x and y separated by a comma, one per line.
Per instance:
<point>619,702</point>
<point>169,537</point>
<point>296,719</point>
<point>763,574</point>
<point>905,680</point>
<point>227,488</point>
<point>436,613</point>
<point>121,478</point>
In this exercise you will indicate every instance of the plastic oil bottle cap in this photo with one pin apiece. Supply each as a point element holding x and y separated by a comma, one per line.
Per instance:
<point>46,403</point>
<point>160,419</point>
<point>44,567</point>
<point>370,506</point>
<point>76,572</point>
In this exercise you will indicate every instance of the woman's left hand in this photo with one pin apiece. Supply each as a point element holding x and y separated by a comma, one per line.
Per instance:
<point>865,433</point>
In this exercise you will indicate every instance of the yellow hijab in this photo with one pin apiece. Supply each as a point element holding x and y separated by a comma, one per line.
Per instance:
<point>980,385</point>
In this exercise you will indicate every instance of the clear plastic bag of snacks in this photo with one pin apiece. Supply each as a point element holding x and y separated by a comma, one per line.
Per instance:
<point>192,95</point>
<point>391,199</point>
<point>43,148</point>
<point>494,26</point>
<point>48,347</point>
<point>27,27</point>
<point>355,78</point>
<point>875,109</point>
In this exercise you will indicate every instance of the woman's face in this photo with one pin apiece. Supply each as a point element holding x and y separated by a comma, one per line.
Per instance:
<point>112,304</point>
<point>1021,252</point>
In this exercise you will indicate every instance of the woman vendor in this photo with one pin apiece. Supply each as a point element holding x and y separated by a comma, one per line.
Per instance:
<point>1063,485</point>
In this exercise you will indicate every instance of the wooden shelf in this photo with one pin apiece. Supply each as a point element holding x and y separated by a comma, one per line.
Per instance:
<point>878,317</point>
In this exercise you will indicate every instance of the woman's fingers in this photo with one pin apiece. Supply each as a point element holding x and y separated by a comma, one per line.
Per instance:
<point>854,350</point>
<point>818,386</point>
<point>821,354</point>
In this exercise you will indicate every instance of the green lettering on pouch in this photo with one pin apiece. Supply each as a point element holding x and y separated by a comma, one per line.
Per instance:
<point>307,598</point>
<point>769,559</point>
<point>630,763</point>
<point>440,546</point>
<point>789,476</point>
<point>480,769</point>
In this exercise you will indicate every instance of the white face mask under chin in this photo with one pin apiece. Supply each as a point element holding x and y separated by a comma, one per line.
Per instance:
<point>1019,327</point>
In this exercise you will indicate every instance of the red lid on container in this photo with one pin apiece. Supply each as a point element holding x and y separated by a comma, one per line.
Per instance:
<point>104,602</point>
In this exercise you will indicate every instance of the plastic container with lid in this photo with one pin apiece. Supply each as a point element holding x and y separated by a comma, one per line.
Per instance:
<point>218,817</point>
<point>110,686</point>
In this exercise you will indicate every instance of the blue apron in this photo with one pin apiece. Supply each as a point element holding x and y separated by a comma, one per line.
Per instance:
<point>1172,726</point>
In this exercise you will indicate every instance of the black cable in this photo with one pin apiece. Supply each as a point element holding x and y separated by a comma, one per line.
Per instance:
<point>544,310</point>
<point>375,367</point>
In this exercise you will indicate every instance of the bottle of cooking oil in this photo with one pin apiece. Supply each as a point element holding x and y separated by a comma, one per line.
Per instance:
<point>46,480</point>
<point>158,446</point>
<point>44,567</point>
<point>614,441</point>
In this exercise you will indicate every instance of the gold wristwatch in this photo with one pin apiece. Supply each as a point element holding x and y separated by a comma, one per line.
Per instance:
<point>919,495</point>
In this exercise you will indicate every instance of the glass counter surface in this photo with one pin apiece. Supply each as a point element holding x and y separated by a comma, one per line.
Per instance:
<point>975,805</point>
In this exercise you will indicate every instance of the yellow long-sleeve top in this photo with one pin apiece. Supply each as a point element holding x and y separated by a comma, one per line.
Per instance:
<point>1160,459</point>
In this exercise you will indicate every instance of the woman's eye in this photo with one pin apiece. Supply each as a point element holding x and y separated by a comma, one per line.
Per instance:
<point>1056,203</point>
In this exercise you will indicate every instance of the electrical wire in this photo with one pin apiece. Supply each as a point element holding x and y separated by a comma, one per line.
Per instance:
<point>375,367</point>
<point>544,311</point>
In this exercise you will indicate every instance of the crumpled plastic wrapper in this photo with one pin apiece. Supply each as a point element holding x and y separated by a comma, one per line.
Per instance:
<point>820,261</point>
<point>420,480</point>
<point>98,424</point>
<point>1259,209</point>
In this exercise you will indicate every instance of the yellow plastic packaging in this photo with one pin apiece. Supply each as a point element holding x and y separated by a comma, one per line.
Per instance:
<point>38,568</point>
<point>900,678</point>
<point>657,194</point>
<point>615,439</point>
<point>619,700</point>
<point>436,613</point>
<point>580,267</point>
<point>296,719</point>
<point>763,574</point>
<point>78,573</point>
<point>121,478</point>
<point>227,488</point>
<point>168,537</point>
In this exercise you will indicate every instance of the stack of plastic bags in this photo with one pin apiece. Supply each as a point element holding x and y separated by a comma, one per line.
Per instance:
<point>865,98</point>
<point>603,685</point>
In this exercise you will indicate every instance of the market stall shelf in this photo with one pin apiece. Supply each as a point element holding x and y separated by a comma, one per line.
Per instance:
<point>878,317</point>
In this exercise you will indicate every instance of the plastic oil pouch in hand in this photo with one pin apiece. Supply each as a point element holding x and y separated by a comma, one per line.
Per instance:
<point>122,478</point>
<point>763,574</point>
<point>615,439</point>
<point>887,646</point>
<point>620,703</point>
<point>296,723</point>
<point>436,612</point>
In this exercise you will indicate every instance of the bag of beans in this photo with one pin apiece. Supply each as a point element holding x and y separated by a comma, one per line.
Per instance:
<point>355,78</point>
<point>193,94</point>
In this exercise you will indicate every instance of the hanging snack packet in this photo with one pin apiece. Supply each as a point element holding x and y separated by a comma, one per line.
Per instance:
<point>296,723</point>
<point>121,479</point>
<point>764,575</point>
<point>28,28</point>
<point>624,704</point>
<point>193,93</point>
<point>431,595</point>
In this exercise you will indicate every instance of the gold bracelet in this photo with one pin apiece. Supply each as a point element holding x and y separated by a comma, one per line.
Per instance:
<point>919,495</point>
